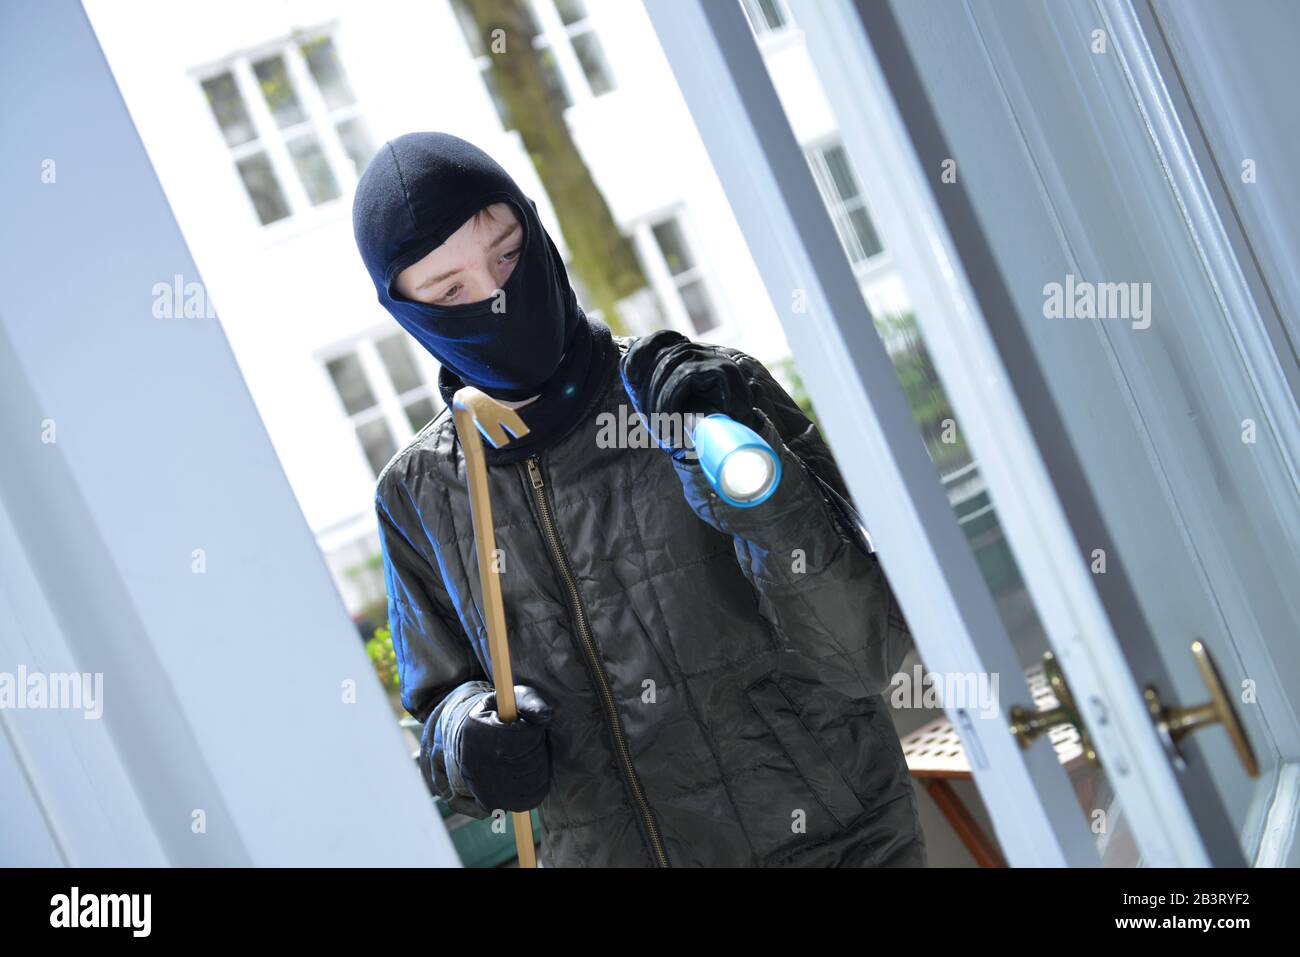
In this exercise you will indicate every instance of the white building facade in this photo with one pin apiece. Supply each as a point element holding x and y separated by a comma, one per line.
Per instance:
<point>259,117</point>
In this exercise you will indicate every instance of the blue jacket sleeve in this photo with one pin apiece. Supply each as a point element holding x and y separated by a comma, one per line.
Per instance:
<point>439,674</point>
<point>818,585</point>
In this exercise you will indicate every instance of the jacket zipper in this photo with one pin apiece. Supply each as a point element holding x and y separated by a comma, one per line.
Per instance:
<point>580,619</point>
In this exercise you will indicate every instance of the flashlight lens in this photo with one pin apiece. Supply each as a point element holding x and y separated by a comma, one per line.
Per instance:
<point>746,473</point>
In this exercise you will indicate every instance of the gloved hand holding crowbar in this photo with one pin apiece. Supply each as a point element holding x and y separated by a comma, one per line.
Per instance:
<point>477,414</point>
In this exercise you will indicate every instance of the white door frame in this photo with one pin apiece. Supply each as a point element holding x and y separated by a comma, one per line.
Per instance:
<point>148,534</point>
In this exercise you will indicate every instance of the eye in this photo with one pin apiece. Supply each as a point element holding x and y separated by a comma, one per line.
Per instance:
<point>449,294</point>
<point>512,255</point>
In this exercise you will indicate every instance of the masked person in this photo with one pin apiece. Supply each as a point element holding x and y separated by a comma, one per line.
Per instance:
<point>699,684</point>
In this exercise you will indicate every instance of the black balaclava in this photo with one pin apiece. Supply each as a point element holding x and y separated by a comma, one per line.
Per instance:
<point>418,190</point>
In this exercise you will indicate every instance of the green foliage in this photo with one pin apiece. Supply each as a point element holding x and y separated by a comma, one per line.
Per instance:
<point>925,395</point>
<point>384,658</point>
<point>784,369</point>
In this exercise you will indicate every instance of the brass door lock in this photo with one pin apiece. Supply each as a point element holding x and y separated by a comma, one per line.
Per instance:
<point>1174,724</point>
<point>1028,725</point>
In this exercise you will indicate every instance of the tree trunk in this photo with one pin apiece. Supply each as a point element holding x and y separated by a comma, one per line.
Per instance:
<point>603,257</point>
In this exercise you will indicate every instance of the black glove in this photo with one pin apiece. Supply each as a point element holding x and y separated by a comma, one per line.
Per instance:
<point>505,764</point>
<point>666,372</point>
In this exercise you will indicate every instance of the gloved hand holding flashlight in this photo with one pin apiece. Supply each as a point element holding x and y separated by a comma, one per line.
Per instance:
<point>665,372</point>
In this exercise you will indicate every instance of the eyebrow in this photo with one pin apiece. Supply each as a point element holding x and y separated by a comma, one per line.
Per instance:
<point>510,230</point>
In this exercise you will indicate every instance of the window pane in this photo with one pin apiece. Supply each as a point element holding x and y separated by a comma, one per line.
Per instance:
<point>696,300</point>
<point>865,232</point>
<point>263,188</point>
<point>592,57</point>
<point>378,444</point>
<point>396,353</point>
<point>350,382</point>
<point>229,109</point>
<point>571,11</point>
<point>839,191</point>
<point>764,15</point>
<point>772,13</point>
<point>355,136</point>
<point>554,82</point>
<point>327,70</point>
<point>842,179</point>
<point>420,413</point>
<point>314,170</point>
<point>469,27</point>
<point>668,235</point>
<point>279,91</point>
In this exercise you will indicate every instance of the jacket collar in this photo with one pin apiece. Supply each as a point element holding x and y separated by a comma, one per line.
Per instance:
<point>566,400</point>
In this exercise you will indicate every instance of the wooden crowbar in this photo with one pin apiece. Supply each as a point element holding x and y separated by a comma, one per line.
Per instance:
<point>477,414</point>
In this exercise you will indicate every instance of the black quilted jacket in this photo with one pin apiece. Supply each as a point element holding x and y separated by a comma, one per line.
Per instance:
<point>715,672</point>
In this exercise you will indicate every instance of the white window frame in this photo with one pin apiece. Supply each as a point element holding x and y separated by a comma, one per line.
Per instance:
<point>320,121</point>
<point>668,286</point>
<point>559,36</point>
<point>555,35</point>
<point>390,405</point>
<point>815,152</point>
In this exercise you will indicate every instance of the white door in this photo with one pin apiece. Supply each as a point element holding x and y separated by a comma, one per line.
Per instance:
<point>1140,458</point>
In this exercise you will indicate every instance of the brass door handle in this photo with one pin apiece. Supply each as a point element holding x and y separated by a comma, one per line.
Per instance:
<point>1173,724</point>
<point>1028,725</point>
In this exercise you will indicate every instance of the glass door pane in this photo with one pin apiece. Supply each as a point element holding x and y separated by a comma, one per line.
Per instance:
<point>839,182</point>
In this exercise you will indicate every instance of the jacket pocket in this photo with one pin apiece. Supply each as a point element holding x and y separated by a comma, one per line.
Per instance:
<point>820,774</point>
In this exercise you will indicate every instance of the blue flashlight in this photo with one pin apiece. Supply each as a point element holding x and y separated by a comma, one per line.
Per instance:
<point>740,466</point>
